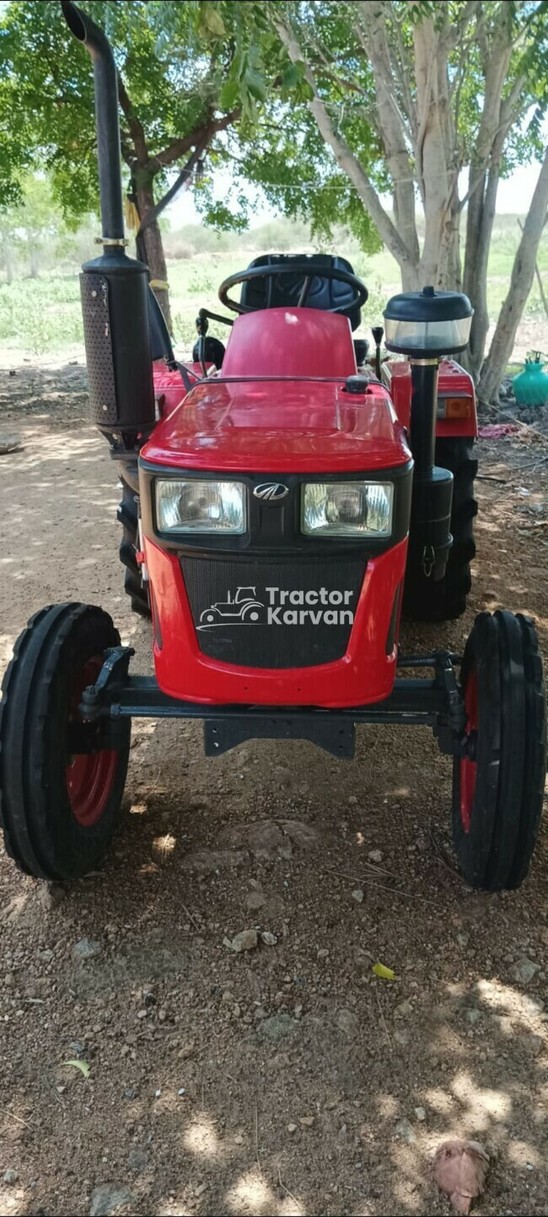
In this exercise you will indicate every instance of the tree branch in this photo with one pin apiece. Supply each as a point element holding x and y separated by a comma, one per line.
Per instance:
<point>344,156</point>
<point>180,146</point>
<point>182,179</point>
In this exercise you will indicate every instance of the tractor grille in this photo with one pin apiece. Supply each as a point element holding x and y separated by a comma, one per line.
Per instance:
<point>275,614</point>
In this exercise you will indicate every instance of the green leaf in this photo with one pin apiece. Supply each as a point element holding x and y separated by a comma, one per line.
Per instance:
<point>212,20</point>
<point>229,94</point>
<point>81,1065</point>
<point>255,84</point>
<point>385,973</point>
<point>291,77</point>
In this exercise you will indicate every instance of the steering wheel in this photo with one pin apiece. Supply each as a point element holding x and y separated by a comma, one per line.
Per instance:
<point>295,269</point>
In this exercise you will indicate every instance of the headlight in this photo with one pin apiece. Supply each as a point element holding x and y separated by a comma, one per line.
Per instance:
<point>194,506</point>
<point>347,509</point>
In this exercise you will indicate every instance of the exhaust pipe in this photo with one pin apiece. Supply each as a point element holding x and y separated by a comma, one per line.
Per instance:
<point>114,288</point>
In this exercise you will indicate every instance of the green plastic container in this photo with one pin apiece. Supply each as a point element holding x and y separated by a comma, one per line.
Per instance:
<point>531,385</point>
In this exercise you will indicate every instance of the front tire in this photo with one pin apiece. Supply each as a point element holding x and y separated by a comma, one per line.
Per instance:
<point>498,789</point>
<point>444,600</point>
<point>58,805</point>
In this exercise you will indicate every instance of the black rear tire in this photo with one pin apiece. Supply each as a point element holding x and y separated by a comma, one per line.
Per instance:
<point>497,799</point>
<point>58,807</point>
<point>425,600</point>
<point>128,518</point>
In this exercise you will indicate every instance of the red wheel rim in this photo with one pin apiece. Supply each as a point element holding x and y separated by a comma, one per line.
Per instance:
<point>468,768</point>
<point>89,776</point>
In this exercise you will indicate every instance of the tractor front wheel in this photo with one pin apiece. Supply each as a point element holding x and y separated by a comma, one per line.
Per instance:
<point>498,786</point>
<point>61,785</point>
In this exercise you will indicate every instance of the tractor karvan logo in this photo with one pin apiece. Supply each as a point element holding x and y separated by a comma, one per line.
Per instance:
<point>280,607</point>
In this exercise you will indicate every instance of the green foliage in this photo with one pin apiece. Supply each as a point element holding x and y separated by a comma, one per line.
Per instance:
<point>183,65</point>
<point>43,315</point>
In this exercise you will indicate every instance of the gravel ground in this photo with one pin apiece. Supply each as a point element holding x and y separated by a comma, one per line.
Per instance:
<point>287,1078</point>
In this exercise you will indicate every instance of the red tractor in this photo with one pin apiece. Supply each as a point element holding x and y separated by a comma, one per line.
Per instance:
<point>280,505</point>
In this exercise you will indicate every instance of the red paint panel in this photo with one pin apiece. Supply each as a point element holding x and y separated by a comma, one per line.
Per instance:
<point>285,426</point>
<point>365,674</point>
<point>453,382</point>
<point>290,342</point>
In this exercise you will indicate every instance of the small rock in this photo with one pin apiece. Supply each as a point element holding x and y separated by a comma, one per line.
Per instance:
<point>282,773</point>
<point>352,800</point>
<point>534,1044</point>
<point>207,861</point>
<point>405,1131</point>
<point>181,1091</point>
<point>157,1094</point>
<point>463,940</point>
<point>420,1114</point>
<point>9,443</point>
<point>277,1027</point>
<point>200,1189</point>
<point>291,1127</point>
<point>246,940</point>
<point>357,895</point>
<point>473,1015</point>
<point>238,1139</point>
<point>107,1198</point>
<point>265,840</point>
<point>77,1048</point>
<point>404,1010</point>
<point>323,953</point>
<point>306,1121</point>
<point>269,939</point>
<point>186,1051</point>
<point>50,895</point>
<point>255,900</point>
<point>129,1092</point>
<point>347,1022</point>
<point>138,1159</point>
<point>375,855</point>
<point>86,949</point>
<point>302,835</point>
<point>11,1176</point>
<point>525,970</point>
<point>402,1037</point>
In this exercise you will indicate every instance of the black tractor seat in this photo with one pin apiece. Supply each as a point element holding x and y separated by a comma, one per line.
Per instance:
<point>284,291</point>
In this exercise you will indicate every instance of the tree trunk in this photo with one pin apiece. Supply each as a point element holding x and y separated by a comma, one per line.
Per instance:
<point>431,152</point>
<point>152,245</point>
<point>480,219</point>
<point>521,282</point>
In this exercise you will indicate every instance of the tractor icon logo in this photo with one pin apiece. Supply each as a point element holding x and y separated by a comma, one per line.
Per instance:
<point>242,609</point>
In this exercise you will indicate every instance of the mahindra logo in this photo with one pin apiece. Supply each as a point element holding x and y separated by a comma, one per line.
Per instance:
<point>271,492</point>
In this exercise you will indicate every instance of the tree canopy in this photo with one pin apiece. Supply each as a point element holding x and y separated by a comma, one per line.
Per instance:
<point>342,111</point>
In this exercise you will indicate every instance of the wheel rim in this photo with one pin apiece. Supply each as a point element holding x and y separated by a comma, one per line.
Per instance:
<point>89,776</point>
<point>468,768</point>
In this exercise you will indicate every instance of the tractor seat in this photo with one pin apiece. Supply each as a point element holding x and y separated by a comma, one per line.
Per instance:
<point>284,291</point>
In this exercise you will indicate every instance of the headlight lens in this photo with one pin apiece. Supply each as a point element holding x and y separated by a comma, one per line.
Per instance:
<point>347,509</point>
<point>196,506</point>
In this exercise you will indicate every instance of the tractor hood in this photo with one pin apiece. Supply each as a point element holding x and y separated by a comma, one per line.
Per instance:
<point>279,426</point>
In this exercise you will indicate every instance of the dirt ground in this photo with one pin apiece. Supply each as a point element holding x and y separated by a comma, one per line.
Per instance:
<point>288,1079</point>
